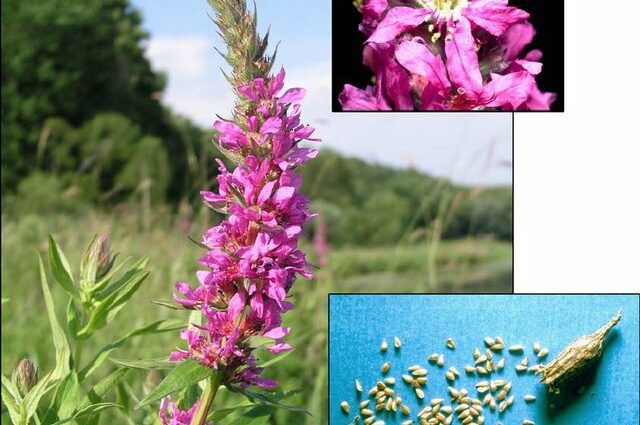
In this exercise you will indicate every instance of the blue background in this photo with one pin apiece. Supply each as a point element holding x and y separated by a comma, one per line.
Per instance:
<point>423,322</point>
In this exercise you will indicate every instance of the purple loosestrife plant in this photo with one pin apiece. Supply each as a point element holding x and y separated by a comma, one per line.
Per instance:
<point>252,257</point>
<point>447,55</point>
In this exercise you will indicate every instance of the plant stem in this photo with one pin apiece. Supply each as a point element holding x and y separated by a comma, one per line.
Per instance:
<point>209,393</point>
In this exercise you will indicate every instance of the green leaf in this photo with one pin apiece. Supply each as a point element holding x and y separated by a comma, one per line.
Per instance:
<point>108,307</point>
<point>155,327</point>
<point>187,373</point>
<point>269,399</point>
<point>60,269</point>
<point>216,415</point>
<point>66,399</point>
<point>60,342</point>
<point>89,264</point>
<point>158,363</point>
<point>168,304</point>
<point>31,400</point>
<point>258,415</point>
<point>258,341</point>
<point>99,391</point>
<point>89,410</point>
<point>11,398</point>
<point>5,300</point>
<point>73,318</point>
<point>276,359</point>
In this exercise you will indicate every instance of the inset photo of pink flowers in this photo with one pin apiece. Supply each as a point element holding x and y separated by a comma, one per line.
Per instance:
<point>447,55</point>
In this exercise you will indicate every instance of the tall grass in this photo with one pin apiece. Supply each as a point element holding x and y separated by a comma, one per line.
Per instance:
<point>461,265</point>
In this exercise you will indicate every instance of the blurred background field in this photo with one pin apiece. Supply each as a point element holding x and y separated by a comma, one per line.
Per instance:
<point>88,147</point>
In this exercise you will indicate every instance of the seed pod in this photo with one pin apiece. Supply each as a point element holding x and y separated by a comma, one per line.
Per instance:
<point>577,357</point>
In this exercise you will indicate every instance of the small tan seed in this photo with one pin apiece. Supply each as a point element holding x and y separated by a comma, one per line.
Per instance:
<point>345,407</point>
<point>454,371</point>
<point>525,361</point>
<point>451,344</point>
<point>414,367</point>
<point>421,380</point>
<point>433,357</point>
<point>389,381</point>
<point>529,398</point>
<point>536,347</point>
<point>543,352</point>
<point>405,409</point>
<point>528,422</point>
<point>489,341</point>
<point>364,404</point>
<point>520,368</point>
<point>469,369</point>
<point>436,401</point>
<point>481,370</point>
<point>501,364</point>
<point>396,342</point>
<point>369,420</point>
<point>383,345</point>
<point>419,393</point>
<point>408,379</point>
<point>481,359</point>
<point>358,386</point>
<point>366,412</point>
<point>450,376</point>
<point>409,422</point>
<point>386,366</point>
<point>516,348</point>
<point>440,360</point>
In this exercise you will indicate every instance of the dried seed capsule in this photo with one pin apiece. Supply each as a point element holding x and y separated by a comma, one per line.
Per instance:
<point>358,386</point>
<point>345,407</point>
<point>451,344</point>
<point>383,345</point>
<point>385,367</point>
<point>574,359</point>
<point>396,342</point>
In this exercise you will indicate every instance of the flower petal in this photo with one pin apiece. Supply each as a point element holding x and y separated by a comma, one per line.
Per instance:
<point>494,15</point>
<point>396,21</point>
<point>417,58</point>
<point>294,95</point>
<point>510,90</point>
<point>462,59</point>
<point>355,99</point>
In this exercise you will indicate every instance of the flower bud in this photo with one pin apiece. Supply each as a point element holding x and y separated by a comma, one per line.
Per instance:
<point>25,376</point>
<point>105,259</point>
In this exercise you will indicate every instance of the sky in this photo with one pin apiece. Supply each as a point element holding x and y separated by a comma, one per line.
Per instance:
<point>468,148</point>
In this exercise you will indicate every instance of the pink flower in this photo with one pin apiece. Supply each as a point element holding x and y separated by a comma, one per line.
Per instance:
<point>170,414</point>
<point>252,257</point>
<point>428,57</point>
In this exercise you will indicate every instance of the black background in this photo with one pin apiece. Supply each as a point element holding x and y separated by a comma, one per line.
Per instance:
<point>347,43</point>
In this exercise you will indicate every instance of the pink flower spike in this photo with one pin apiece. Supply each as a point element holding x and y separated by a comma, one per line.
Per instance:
<point>396,21</point>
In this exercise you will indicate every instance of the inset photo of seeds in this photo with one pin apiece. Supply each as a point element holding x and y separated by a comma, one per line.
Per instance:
<point>447,55</point>
<point>483,359</point>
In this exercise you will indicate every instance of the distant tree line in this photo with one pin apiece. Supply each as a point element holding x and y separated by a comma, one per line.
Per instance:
<point>82,122</point>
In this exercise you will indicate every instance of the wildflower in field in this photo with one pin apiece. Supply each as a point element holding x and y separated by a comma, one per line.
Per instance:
<point>252,258</point>
<point>448,55</point>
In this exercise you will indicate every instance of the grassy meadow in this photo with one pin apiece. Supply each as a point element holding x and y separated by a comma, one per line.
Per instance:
<point>465,264</point>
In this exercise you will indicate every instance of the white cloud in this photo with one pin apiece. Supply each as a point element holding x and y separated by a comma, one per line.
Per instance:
<point>183,57</point>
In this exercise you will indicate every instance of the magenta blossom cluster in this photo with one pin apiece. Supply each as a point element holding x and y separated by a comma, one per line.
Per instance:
<point>253,257</point>
<point>448,55</point>
<point>170,414</point>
